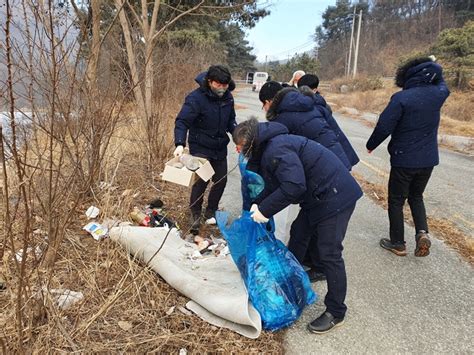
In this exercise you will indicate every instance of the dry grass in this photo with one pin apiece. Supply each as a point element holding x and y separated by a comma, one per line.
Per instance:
<point>117,290</point>
<point>439,227</point>
<point>456,115</point>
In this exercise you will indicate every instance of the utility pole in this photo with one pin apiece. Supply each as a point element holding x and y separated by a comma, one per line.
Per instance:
<point>348,69</point>
<point>266,63</point>
<point>357,46</point>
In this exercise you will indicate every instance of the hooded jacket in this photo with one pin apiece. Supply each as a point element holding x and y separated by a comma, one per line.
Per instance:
<point>326,111</point>
<point>298,113</point>
<point>298,170</point>
<point>412,119</point>
<point>207,117</point>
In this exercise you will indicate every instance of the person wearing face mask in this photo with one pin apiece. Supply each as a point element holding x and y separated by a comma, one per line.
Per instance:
<point>205,119</point>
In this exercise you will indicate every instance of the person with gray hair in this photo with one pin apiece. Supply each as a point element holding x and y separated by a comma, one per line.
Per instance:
<point>296,76</point>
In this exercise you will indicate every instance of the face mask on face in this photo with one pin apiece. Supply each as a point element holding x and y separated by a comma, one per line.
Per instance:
<point>219,92</point>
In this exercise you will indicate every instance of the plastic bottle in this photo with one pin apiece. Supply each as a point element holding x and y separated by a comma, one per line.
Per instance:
<point>139,217</point>
<point>190,162</point>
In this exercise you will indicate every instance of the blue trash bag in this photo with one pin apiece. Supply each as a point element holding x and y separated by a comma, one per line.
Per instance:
<point>252,184</point>
<point>278,286</point>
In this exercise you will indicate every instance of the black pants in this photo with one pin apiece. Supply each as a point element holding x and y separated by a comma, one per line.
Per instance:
<point>406,183</point>
<point>323,244</point>
<point>219,180</point>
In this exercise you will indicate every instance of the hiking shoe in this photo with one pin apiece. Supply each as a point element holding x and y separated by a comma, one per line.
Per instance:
<point>423,244</point>
<point>397,249</point>
<point>315,276</point>
<point>324,323</point>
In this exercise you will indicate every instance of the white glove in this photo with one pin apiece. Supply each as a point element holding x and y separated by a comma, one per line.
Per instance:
<point>178,151</point>
<point>257,216</point>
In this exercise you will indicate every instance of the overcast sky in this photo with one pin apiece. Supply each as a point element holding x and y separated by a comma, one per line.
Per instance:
<point>288,29</point>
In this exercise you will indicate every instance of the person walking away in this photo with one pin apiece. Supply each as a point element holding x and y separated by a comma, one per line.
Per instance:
<point>308,85</point>
<point>298,170</point>
<point>205,119</point>
<point>411,118</point>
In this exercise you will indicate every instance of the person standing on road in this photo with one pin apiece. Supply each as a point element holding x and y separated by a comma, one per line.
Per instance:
<point>298,170</point>
<point>308,85</point>
<point>296,76</point>
<point>412,119</point>
<point>205,118</point>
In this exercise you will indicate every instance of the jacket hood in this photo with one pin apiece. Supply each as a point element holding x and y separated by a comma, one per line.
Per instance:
<point>289,100</point>
<point>316,97</point>
<point>268,130</point>
<point>423,74</point>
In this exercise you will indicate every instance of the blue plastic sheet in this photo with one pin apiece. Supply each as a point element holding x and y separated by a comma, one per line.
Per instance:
<point>278,286</point>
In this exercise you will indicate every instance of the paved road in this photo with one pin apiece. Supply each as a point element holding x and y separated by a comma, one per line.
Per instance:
<point>396,305</point>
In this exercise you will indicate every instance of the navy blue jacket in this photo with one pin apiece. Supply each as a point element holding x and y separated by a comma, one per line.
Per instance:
<point>208,118</point>
<point>412,119</point>
<point>298,113</point>
<point>298,170</point>
<point>326,111</point>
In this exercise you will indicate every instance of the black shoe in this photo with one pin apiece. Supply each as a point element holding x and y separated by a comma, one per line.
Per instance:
<point>315,276</point>
<point>195,221</point>
<point>209,213</point>
<point>423,244</point>
<point>397,249</point>
<point>324,323</point>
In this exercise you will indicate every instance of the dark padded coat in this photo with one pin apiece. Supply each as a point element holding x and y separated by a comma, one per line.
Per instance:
<point>207,118</point>
<point>298,170</point>
<point>326,111</point>
<point>299,114</point>
<point>412,119</point>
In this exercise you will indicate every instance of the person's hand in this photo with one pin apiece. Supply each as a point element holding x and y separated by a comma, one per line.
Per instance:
<point>369,151</point>
<point>257,216</point>
<point>178,151</point>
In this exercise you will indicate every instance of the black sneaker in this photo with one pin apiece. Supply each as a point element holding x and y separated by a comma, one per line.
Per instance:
<point>397,249</point>
<point>315,276</point>
<point>423,244</point>
<point>324,323</point>
<point>210,217</point>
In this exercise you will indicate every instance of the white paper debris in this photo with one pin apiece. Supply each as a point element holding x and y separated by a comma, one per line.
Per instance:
<point>92,212</point>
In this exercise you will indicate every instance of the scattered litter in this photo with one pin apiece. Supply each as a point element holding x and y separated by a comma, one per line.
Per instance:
<point>97,231</point>
<point>171,310</point>
<point>65,298</point>
<point>183,352</point>
<point>184,311</point>
<point>125,325</point>
<point>29,250</point>
<point>92,212</point>
<point>189,238</point>
<point>139,217</point>
<point>196,255</point>
<point>211,221</point>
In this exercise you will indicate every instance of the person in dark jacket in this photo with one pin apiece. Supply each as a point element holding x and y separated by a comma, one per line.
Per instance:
<point>298,170</point>
<point>412,119</point>
<point>297,112</point>
<point>205,118</point>
<point>308,85</point>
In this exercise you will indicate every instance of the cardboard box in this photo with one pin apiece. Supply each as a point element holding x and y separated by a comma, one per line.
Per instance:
<point>185,177</point>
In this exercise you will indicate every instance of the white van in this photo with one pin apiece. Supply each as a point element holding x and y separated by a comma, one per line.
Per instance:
<point>259,78</point>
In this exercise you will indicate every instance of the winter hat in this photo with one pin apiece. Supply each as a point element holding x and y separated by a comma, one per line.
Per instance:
<point>310,80</point>
<point>269,90</point>
<point>218,73</point>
